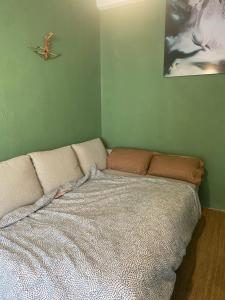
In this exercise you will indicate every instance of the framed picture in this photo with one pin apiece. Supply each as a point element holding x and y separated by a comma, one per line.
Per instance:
<point>194,37</point>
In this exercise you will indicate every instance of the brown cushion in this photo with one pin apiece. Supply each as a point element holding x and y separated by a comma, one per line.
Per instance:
<point>178,167</point>
<point>129,160</point>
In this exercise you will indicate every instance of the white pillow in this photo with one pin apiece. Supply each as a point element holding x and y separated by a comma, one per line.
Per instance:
<point>19,184</point>
<point>90,153</point>
<point>56,167</point>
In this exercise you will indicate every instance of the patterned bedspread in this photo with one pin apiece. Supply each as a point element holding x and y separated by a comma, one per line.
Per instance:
<point>107,238</point>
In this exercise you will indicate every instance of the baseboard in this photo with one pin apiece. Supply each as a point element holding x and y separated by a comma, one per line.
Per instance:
<point>216,209</point>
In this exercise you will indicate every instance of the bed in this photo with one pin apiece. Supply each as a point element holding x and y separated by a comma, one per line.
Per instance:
<point>102,237</point>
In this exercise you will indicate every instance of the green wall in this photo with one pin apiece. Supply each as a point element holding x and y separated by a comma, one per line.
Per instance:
<point>142,109</point>
<point>44,105</point>
<point>48,104</point>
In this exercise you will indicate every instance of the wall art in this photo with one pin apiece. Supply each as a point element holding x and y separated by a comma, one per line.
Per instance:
<point>46,52</point>
<point>194,37</point>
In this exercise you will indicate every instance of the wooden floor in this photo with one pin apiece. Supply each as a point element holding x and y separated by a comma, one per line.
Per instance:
<point>202,273</point>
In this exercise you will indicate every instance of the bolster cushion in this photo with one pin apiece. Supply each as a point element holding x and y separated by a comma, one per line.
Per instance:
<point>56,167</point>
<point>129,160</point>
<point>178,167</point>
<point>19,184</point>
<point>91,153</point>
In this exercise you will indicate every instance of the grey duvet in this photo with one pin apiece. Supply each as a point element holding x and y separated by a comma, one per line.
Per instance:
<point>106,238</point>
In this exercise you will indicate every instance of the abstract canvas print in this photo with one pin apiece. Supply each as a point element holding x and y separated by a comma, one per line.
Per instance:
<point>194,37</point>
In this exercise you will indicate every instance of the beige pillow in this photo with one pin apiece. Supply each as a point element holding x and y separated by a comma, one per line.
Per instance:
<point>19,184</point>
<point>56,167</point>
<point>90,153</point>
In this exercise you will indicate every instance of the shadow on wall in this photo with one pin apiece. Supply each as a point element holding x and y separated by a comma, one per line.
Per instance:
<point>204,191</point>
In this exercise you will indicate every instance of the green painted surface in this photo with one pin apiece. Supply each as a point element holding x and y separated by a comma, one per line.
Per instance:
<point>142,109</point>
<point>44,105</point>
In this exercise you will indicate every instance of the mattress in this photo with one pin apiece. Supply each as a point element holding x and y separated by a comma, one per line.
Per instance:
<point>108,237</point>
<point>121,173</point>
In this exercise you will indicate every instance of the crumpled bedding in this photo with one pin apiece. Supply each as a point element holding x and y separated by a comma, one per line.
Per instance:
<point>107,238</point>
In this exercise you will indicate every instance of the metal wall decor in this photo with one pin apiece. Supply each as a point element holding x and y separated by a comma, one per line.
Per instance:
<point>46,52</point>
